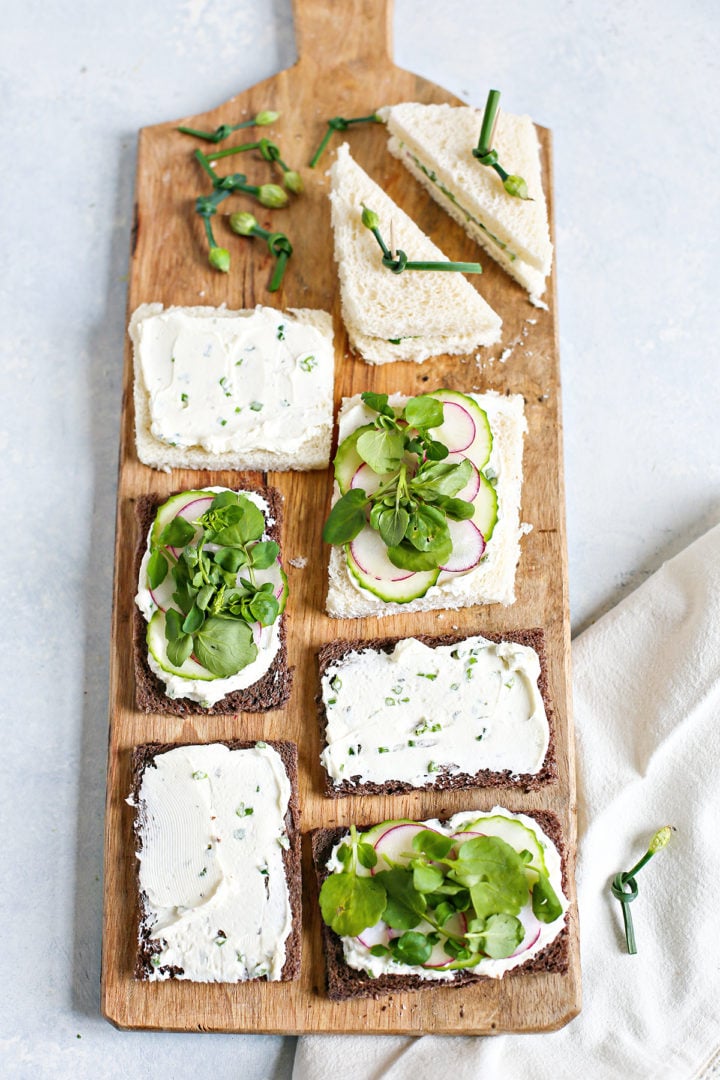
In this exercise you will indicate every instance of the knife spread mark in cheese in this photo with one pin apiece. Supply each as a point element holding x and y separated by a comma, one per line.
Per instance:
<point>212,878</point>
<point>418,712</point>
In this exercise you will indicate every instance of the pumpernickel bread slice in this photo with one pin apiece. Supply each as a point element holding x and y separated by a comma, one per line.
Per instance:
<point>271,691</point>
<point>445,780</point>
<point>143,757</point>
<point>344,982</point>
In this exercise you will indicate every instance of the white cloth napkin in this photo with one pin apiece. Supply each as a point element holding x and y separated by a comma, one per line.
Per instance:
<point>647,712</point>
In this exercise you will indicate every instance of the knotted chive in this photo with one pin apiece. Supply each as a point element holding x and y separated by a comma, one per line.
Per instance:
<point>398,261</point>
<point>206,206</point>
<point>269,195</point>
<point>263,118</point>
<point>514,185</point>
<point>624,887</point>
<point>340,123</point>
<point>271,152</point>
<point>245,224</point>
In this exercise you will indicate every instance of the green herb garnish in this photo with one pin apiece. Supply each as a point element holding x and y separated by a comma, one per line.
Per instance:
<point>484,878</point>
<point>514,185</point>
<point>397,261</point>
<point>217,596</point>
<point>411,507</point>
<point>271,152</point>
<point>624,887</point>
<point>263,118</point>
<point>340,123</point>
<point>279,246</point>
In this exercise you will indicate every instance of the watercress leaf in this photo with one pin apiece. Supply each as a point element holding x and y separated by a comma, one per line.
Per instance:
<point>411,948</point>
<point>443,911</point>
<point>427,529</point>
<point>405,907</point>
<point>378,402</point>
<point>434,450</point>
<point>193,620</point>
<point>347,517</point>
<point>264,608</point>
<point>177,533</point>
<point>426,878</point>
<point>379,950</point>
<point>445,477</point>
<point>423,412</point>
<point>350,904</point>
<point>344,854</point>
<point>382,450</point>
<point>224,646</point>
<point>367,856</point>
<point>249,527</point>
<point>392,524</point>
<point>264,554</point>
<point>204,597</point>
<point>173,625</point>
<point>432,844</point>
<point>230,559</point>
<point>414,446</point>
<point>494,874</point>
<point>456,509</point>
<point>456,950</point>
<point>179,649</point>
<point>157,568</point>
<point>224,498</point>
<point>501,936</point>
<point>375,512</point>
<point>407,557</point>
<point>545,904</point>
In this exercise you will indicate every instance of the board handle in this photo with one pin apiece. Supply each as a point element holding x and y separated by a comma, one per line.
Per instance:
<point>334,32</point>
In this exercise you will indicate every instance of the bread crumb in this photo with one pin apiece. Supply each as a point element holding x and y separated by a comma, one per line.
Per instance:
<point>300,562</point>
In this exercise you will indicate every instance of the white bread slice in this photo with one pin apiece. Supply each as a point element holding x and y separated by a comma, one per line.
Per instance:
<point>432,313</point>
<point>308,448</point>
<point>493,580</point>
<point>435,143</point>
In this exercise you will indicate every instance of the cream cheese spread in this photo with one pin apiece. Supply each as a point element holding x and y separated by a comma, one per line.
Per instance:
<point>213,884</point>
<point>227,381</point>
<point>198,685</point>
<point>358,956</point>
<point>418,713</point>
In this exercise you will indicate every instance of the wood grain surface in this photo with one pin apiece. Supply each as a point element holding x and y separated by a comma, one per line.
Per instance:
<point>344,69</point>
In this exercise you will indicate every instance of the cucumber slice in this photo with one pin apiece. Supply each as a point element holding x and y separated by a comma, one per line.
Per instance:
<point>513,832</point>
<point>480,447</point>
<point>486,508</point>
<point>377,576</point>
<point>157,645</point>
<point>189,504</point>
<point>347,459</point>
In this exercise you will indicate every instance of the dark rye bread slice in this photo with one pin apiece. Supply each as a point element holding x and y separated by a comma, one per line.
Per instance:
<point>345,982</point>
<point>269,692</point>
<point>446,781</point>
<point>143,757</point>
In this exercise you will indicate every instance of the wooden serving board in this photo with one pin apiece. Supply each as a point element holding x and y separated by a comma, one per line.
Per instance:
<point>344,69</point>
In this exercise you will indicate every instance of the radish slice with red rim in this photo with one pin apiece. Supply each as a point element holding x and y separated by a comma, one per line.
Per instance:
<point>468,546</point>
<point>395,843</point>
<point>370,553</point>
<point>457,430</point>
<point>472,487</point>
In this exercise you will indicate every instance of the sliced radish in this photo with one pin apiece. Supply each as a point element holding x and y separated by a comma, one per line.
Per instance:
<point>191,511</point>
<point>472,487</point>
<point>379,934</point>
<point>457,430</point>
<point>468,545</point>
<point>466,835</point>
<point>395,843</point>
<point>370,554</point>
<point>369,481</point>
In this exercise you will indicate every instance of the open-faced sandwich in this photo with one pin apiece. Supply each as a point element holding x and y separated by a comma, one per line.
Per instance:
<point>209,632</point>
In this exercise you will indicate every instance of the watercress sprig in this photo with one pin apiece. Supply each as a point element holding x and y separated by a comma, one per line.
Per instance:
<point>417,494</point>
<point>624,887</point>
<point>340,123</point>
<point>398,261</point>
<point>217,596</point>
<point>483,152</point>
<point>245,224</point>
<point>262,119</point>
